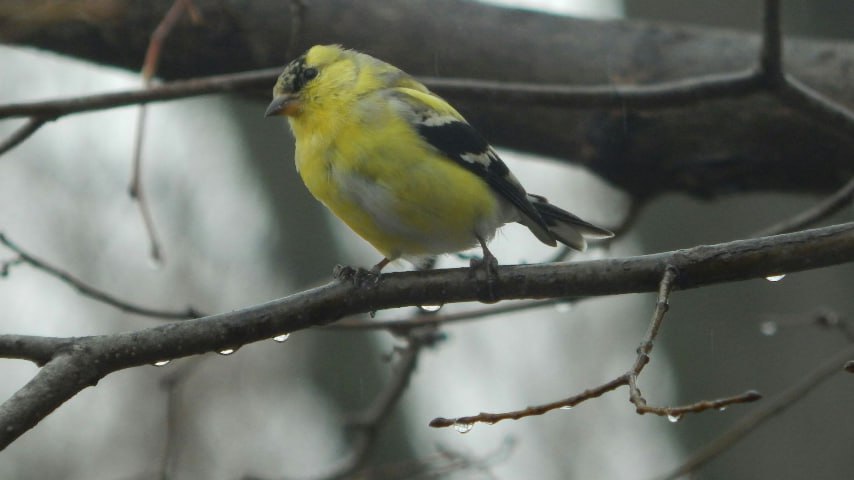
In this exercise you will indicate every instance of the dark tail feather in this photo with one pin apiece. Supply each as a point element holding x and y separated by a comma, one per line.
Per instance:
<point>566,227</point>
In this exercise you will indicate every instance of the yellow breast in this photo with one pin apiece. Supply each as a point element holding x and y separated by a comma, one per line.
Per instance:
<point>391,188</point>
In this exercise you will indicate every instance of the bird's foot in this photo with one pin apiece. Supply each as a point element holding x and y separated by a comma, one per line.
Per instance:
<point>359,277</point>
<point>489,266</point>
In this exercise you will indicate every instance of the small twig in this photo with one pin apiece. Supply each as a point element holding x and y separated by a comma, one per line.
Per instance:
<point>643,351</point>
<point>827,207</point>
<point>149,69</point>
<point>642,359</point>
<point>465,423</point>
<point>364,426</point>
<point>823,317</point>
<point>22,133</point>
<point>404,324</point>
<point>769,409</point>
<point>93,292</point>
<point>629,379</point>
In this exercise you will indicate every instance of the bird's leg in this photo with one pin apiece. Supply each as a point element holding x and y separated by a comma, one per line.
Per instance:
<point>375,270</point>
<point>489,264</point>
<point>360,276</point>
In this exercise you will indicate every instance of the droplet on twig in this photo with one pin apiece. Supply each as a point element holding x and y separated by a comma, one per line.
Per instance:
<point>281,338</point>
<point>775,278</point>
<point>462,427</point>
<point>673,418</point>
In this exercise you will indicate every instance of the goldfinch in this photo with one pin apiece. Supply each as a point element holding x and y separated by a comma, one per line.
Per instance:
<point>400,166</point>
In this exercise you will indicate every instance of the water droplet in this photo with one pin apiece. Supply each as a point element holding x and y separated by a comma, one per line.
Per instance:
<point>430,308</point>
<point>722,409</point>
<point>161,363</point>
<point>768,328</point>
<point>673,418</point>
<point>566,407</point>
<point>226,351</point>
<point>775,278</point>
<point>281,338</point>
<point>463,427</point>
<point>563,307</point>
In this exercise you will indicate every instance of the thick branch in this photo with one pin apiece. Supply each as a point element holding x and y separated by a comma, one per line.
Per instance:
<point>91,358</point>
<point>742,143</point>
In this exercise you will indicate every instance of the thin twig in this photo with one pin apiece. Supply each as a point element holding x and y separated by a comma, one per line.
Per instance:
<point>827,207</point>
<point>464,424</point>
<point>769,409</point>
<point>404,324</point>
<point>22,133</point>
<point>364,426</point>
<point>95,293</point>
<point>629,379</point>
<point>149,69</point>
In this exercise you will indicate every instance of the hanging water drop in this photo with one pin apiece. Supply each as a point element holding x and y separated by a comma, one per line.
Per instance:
<point>768,328</point>
<point>430,308</point>
<point>161,363</point>
<point>281,338</point>
<point>775,278</point>
<point>673,418</point>
<point>463,427</point>
<point>226,351</point>
<point>722,409</point>
<point>566,407</point>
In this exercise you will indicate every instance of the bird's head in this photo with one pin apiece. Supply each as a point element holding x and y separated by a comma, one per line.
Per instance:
<point>323,73</point>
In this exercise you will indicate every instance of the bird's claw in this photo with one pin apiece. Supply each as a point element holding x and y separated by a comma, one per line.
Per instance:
<point>489,266</point>
<point>359,277</point>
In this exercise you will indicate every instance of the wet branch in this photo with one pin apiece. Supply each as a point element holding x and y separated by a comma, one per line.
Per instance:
<point>666,284</point>
<point>81,362</point>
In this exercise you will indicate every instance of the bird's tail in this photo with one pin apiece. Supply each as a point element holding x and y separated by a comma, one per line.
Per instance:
<point>566,227</point>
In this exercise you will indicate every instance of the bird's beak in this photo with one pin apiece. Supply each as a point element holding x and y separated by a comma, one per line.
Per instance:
<point>287,104</point>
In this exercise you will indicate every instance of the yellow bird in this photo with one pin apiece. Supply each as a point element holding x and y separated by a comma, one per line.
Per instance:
<point>400,166</point>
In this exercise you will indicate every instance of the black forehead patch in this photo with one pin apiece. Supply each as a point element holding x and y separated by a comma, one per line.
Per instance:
<point>292,77</point>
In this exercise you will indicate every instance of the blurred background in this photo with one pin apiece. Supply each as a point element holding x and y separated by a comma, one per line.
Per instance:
<point>238,228</point>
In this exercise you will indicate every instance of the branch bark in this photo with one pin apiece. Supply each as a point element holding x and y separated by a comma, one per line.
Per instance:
<point>748,142</point>
<point>80,362</point>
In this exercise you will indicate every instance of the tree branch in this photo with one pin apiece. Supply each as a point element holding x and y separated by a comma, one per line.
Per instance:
<point>89,359</point>
<point>696,145</point>
<point>774,406</point>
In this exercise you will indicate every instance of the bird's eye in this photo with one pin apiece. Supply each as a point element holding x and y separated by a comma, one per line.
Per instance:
<point>309,73</point>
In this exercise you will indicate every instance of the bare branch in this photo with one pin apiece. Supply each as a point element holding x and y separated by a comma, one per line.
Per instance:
<point>464,424</point>
<point>364,425</point>
<point>768,410</point>
<point>827,207</point>
<point>149,69</point>
<point>22,133</point>
<point>405,324</point>
<point>38,350</point>
<point>91,358</point>
<point>92,292</point>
